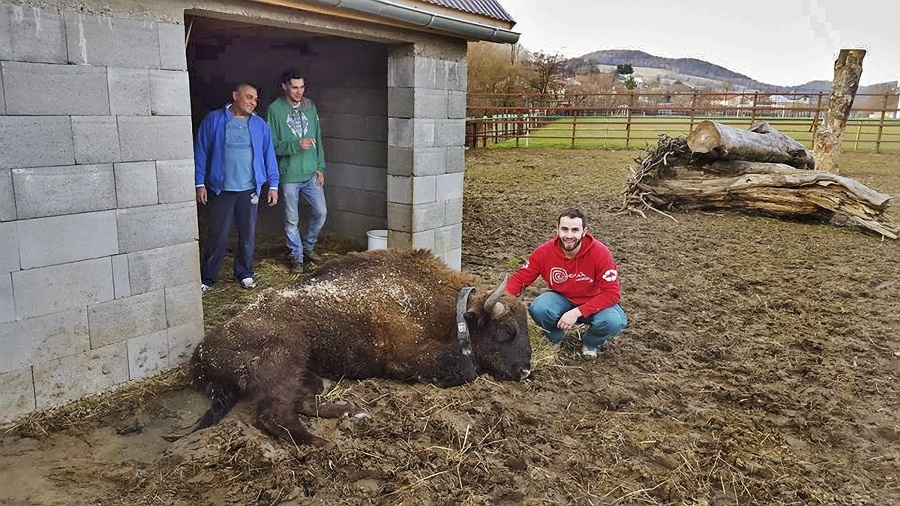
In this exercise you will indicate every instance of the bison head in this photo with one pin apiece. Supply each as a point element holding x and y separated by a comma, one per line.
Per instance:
<point>498,324</point>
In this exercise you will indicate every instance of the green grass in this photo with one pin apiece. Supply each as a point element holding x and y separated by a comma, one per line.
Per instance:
<point>614,132</point>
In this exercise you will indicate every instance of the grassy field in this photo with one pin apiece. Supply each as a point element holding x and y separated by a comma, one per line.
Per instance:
<point>615,132</point>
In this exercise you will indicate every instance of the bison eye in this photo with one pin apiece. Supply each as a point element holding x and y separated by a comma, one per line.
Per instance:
<point>506,333</point>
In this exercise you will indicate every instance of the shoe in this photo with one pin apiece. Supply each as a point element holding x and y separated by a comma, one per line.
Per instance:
<point>204,288</point>
<point>312,256</point>
<point>248,283</point>
<point>588,352</point>
<point>296,267</point>
<point>555,346</point>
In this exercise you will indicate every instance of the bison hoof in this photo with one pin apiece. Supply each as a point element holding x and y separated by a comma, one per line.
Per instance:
<point>361,416</point>
<point>336,409</point>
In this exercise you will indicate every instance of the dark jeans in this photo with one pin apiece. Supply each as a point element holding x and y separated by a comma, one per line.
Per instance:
<point>223,209</point>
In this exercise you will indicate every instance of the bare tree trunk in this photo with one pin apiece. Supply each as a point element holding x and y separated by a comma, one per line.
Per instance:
<point>761,143</point>
<point>827,142</point>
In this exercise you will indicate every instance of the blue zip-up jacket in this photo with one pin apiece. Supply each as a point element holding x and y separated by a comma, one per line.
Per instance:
<point>209,152</point>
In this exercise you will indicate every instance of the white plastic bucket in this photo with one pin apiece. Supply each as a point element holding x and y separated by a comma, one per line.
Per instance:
<point>377,239</point>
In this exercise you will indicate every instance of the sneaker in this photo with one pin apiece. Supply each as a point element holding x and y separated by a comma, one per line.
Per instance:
<point>248,283</point>
<point>296,267</point>
<point>204,288</point>
<point>588,352</point>
<point>312,256</point>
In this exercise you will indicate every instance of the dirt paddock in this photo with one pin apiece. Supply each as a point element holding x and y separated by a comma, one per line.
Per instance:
<point>760,367</point>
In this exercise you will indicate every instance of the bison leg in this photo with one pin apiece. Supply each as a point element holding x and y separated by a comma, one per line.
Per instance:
<point>223,398</point>
<point>310,405</point>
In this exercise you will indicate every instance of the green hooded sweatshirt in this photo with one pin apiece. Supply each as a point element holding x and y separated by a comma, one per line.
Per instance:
<point>289,124</point>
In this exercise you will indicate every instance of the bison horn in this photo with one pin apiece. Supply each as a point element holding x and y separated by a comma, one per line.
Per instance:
<point>492,304</point>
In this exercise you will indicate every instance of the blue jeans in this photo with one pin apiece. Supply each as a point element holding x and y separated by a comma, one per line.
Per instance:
<point>225,208</point>
<point>548,308</point>
<point>315,197</point>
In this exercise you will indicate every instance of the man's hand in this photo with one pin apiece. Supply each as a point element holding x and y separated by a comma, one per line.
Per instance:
<point>307,143</point>
<point>201,195</point>
<point>568,319</point>
<point>272,197</point>
<point>320,178</point>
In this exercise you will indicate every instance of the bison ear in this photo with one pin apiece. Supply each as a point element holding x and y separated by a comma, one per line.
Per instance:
<point>475,319</point>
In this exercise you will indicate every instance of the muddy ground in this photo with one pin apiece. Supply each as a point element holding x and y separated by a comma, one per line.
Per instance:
<point>760,367</point>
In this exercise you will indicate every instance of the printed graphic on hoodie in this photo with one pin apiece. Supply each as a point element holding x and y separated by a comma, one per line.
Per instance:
<point>298,122</point>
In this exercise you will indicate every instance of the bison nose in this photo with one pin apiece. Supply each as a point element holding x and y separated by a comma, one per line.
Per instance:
<point>524,373</point>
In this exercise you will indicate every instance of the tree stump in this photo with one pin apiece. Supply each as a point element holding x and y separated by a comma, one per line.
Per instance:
<point>761,143</point>
<point>827,141</point>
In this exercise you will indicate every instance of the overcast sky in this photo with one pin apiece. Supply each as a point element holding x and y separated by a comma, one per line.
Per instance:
<point>780,42</point>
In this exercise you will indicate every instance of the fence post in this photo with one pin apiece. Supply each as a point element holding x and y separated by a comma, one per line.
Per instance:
<point>693,105</point>
<point>753,109</point>
<point>574,122</point>
<point>881,124</point>
<point>815,123</point>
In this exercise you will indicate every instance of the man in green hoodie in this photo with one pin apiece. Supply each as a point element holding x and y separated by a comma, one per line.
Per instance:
<point>294,122</point>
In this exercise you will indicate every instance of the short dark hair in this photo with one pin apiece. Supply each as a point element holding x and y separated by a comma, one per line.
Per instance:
<point>289,74</point>
<point>573,213</point>
<point>251,85</point>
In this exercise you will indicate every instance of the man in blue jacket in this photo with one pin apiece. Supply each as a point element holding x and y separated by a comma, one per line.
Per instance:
<point>233,158</point>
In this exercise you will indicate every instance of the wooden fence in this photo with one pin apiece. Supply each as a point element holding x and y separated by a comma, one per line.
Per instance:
<point>634,120</point>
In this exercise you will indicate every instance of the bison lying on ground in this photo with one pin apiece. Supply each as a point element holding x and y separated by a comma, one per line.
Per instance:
<point>380,314</point>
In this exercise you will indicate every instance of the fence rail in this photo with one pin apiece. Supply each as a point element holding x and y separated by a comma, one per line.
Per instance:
<point>618,120</point>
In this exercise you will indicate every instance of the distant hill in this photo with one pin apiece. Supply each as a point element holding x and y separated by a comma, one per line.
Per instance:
<point>703,69</point>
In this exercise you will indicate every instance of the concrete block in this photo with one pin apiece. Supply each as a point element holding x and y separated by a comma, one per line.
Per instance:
<point>448,238</point>
<point>183,304</point>
<point>428,216</point>
<point>7,198</point>
<point>129,91</point>
<point>400,217</point>
<point>358,152</point>
<point>148,355</point>
<point>7,303</point>
<point>361,177</point>
<point>175,181</point>
<point>357,201</point>
<point>96,139</point>
<point>60,287</point>
<point>365,101</point>
<point>155,138</point>
<point>182,341</point>
<point>172,55</point>
<point>456,159</point>
<point>400,160</point>
<point>121,283</point>
<point>67,238</point>
<point>401,102</point>
<point>356,126</point>
<point>400,189</point>
<point>449,186</point>
<point>457,75</point>
<point>53,191</point>
<point>429,161</point>
<point>122,319</point>
<point>149,227</point>
<point>9,248</point>
<point>158,268</point>
<point>452,259</point>
<point>136,184</point>
<point>401,132</point>
<point>17,394</point>
<point>63,380</point>
<point>35,142</point>
<point>450,132</point>
<point>424,189</point>
<point>453,212</point>
<point>35,340</point>
<point>23,84</point>
<point>424,133</point>
<point>170,93</point>
<point>430,73</point>
<point>456,104</point>
<point>401,71</point>
<point>6,51</point>
<point>2,96</point>
<point>103,41</point>
<point>431,104</point>
<point>38,35</point>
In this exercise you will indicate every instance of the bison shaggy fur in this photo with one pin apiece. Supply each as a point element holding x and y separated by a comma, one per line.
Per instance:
<point>376,314</point>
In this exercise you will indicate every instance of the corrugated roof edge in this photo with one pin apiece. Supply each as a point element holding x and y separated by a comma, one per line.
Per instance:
<point>489,8</point>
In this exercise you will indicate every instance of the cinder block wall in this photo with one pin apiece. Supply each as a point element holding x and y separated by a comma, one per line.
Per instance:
<point>426,153</point>
<point>99,263</point>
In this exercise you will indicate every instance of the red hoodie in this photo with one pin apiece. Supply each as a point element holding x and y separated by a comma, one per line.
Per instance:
<point>590,279</point>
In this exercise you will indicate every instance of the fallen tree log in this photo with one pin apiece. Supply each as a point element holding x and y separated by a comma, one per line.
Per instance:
<point>761,143</point>
<point>671,179</point>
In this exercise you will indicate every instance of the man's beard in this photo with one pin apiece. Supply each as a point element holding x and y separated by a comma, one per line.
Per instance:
<point>574,246</point>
